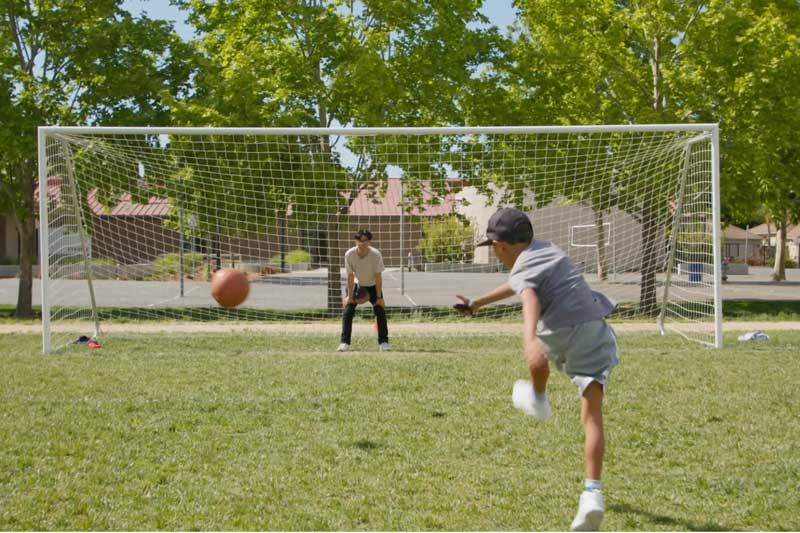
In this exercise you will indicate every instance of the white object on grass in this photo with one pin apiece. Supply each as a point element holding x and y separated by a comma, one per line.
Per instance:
<point>754,336</point>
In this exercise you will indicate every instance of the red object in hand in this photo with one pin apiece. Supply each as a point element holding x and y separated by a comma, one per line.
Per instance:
<point>361,296</point>
<point>463,307</point>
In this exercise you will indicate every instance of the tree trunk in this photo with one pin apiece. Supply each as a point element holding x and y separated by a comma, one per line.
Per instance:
<point>779,270</point>
<point>331,233</point>
<point>647,295</point>
<point>27,241</point>
<point>602,256</point>
<point>329,241</point>
<point>283,237</point>
<point>331,236</point>
<point>769,241</point>
<point>655,67</point>
<point>217,250</point>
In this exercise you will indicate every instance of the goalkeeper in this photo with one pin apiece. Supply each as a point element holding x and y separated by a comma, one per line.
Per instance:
<point>564,323</point>
<point>365,264</point>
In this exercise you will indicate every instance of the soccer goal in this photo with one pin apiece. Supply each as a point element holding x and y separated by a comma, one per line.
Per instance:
<point>135,221</point>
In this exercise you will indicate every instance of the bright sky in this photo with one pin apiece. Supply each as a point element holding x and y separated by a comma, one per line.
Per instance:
<point>500,13</point>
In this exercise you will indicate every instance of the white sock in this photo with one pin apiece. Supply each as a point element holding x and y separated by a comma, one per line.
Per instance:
<point>592,485</point>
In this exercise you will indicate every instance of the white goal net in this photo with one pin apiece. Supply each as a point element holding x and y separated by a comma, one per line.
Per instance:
<point>134,221</point>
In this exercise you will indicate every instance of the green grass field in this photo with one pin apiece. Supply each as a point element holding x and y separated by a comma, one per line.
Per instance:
<point>253,432</point>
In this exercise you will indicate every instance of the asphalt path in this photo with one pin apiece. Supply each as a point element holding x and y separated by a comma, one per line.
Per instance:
<point>308,290</point>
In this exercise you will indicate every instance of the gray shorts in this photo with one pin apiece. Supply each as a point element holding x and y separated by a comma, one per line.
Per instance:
<point>585,352</point>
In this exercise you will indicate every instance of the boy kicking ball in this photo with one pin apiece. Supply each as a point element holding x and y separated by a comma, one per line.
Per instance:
<point>564,323</point>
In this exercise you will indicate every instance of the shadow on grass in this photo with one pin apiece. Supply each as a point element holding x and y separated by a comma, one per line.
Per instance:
<point>664,520</point>
<point>367,445</point>
<point>769,309</point>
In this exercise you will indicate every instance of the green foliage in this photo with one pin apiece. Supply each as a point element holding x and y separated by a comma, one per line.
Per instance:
<point>295,257</point>
<point>272,172</point>
<point>383,63</point>
<point>751,51</point>
<point>66,62</point>
<point>102,262</point>
<point>377,63</point>
<point>447,240</point>
<point>167,266</point>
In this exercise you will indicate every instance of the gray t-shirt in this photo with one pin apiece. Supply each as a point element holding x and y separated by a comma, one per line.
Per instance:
<point>564,295</point>
<point>364,267</point>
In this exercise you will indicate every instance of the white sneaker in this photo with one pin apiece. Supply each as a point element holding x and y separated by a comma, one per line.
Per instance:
<point>524,399</point>
<point>343,347</point>
<point>384,347</point>
<point>590,512</point>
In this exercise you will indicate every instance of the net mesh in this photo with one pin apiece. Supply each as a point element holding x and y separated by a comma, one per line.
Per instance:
<point>138,222</point>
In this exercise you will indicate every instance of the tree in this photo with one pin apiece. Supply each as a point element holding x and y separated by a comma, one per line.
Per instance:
<point>322,62</point>
<point>447,240</point>
<point>751,51</point>
<point>605,62</point>
<point>64,62</point>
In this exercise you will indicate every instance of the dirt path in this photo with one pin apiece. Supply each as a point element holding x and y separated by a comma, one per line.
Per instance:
<point>400,328</point>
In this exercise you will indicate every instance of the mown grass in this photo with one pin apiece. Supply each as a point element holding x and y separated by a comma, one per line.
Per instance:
<point>761,309</point>
<point>245,431</point>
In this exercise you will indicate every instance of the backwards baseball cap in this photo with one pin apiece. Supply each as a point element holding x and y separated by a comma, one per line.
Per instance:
<point>508,225</point>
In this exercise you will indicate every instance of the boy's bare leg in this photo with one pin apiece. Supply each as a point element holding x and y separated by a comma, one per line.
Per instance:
<point>592,418</point>
<point>539,367</point>
<point>591,507</point>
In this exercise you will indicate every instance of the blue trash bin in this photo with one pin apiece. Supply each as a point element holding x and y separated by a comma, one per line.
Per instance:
<point>696,272</point>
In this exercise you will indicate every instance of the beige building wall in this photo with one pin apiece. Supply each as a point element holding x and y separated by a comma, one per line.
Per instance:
<point>568,227</point>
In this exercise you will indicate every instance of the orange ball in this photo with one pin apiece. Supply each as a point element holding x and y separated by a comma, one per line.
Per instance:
<point>229,287</point>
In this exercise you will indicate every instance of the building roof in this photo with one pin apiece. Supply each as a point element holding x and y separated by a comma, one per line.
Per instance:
<point>363,205</point>
<point>762,230</point>
<point>389,204</point>
<point>155,207</point>
<point>737,233</point>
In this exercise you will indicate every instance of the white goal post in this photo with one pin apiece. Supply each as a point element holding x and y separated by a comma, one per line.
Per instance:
<point>134,220</point>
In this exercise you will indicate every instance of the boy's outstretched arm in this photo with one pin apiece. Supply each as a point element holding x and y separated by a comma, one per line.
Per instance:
<point>469,307</point>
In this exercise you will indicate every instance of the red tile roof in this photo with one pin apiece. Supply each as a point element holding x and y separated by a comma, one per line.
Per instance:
<point>363,205</point>
<point>389,205</point>
<point>155,207</point>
